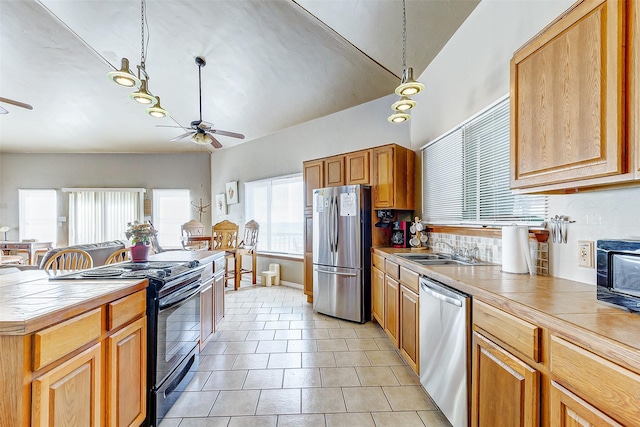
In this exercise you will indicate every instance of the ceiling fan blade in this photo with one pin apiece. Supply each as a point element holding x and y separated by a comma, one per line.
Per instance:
<point>184,135</point>
<point>3,111</point>
<point>225,133</point>
<point>171,126</point>
<point>205,125</point>
<point>16,103</point>
<point>214,142</point>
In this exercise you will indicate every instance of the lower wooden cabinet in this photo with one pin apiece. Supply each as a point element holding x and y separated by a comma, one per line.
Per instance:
<point>409,327</point>
<point>569,410</point>
<point>218,300</point>
<point>70,394</point>
<point>392,309</point>
<point>126,375</point>
<point>377,295</point>
<point>206,313</point>
<point>505,390</point>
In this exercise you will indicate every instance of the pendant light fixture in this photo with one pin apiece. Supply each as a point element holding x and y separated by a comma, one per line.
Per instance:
<point>142,96</point>
<point>408,86</point>
<point>157,110</point>
<point>124,76</point>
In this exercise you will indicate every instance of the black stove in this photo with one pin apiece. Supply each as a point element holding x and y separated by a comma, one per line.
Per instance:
<point>159,271</point>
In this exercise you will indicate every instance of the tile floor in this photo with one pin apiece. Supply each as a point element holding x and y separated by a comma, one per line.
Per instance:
<point>275,362</point>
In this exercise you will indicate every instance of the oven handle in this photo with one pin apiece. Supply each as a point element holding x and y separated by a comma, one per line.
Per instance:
<point>178,297</point>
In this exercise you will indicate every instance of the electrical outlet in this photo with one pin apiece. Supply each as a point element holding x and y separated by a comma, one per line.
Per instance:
<point>585,253</point>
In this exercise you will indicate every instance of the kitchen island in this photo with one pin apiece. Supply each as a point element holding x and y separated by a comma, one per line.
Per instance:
<point>564,355</point>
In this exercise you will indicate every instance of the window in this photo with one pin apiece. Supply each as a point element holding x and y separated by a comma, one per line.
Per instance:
<point>465,175</point>
<point>170,211</point>
<point>101,214</point>
<point>276,204</point>
<point>38,215</point>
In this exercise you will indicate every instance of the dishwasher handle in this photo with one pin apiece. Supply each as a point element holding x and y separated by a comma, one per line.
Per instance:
<point>434,290</point>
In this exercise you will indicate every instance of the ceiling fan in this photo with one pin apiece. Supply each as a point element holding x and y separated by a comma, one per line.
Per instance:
<point>202,132</point>
<point>12,102</point>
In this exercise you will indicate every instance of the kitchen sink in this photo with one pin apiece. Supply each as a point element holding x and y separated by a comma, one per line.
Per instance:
<point>437,259</point>
<point>424,257</point>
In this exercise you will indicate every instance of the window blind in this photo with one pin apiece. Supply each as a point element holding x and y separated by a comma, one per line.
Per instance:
<point>466,175</point>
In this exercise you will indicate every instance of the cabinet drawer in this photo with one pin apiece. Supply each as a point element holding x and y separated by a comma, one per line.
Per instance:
<point>607,386</point>
<point>207,272</point>
<point>410,279</point>
<point>377,261</point>
<point>512,331</point>
<point>218,265</point>
<point>392,269</point>
<point>125,309</point>
<point>53,343</point>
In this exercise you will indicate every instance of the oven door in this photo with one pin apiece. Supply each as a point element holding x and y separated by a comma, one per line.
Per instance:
<point>178,328</point>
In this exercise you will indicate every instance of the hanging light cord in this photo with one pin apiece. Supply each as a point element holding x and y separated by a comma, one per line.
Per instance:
<point>404,37</point>
<point>143,22</point>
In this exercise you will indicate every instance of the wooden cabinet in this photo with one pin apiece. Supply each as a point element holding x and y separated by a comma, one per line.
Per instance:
<point>392,309</point>
<point>409,327</point>
<point>393,177</point>
<point>206,313</point>
<point>633,81</point>
<point>308,256</point>
<point>334,171</point>
<point>127,375</point>
<point>218,299</point>
<point>569,410</point>
<point>70,391</point>
<point>357,167</point>
<point>313,175</point>
<point>377,295</point>
<point>505,390</point>
<point>211,299</point>
<point>568,101</point>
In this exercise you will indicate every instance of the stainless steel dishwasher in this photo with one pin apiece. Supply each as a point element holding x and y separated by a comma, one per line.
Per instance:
<point>444,348</point>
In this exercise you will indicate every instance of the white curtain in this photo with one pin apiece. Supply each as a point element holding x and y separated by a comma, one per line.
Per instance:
<point>99,215</point>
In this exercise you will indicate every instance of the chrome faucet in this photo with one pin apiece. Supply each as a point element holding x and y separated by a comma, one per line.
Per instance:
<point>470,254</point>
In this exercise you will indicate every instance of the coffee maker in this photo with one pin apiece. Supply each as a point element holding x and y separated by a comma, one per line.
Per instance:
<point>400,234</point>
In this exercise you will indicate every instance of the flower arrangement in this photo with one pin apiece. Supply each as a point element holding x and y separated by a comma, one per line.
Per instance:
<point>140,232</point>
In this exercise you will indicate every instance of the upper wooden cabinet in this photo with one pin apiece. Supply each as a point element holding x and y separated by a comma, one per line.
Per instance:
<point>313,175</point>
<point>393,180</point>
<point>633,80</point>
<point>357,167</point>
<point>568,101</point>
<point>334,171</point>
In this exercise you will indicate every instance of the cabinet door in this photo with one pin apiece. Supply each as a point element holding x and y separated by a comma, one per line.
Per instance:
<point>71,391</point>
<point>392,308</point>
<point>334,171</point>
<point>206,313</point>
<point>357,167</point>
<point>409,327</point>
<point>568,410</point>
<point>127,375</point>
<point>633,82</point>
<point>218,301</point>
<point>505,390</point>
<point>308,276</point>
<point>567,99</point>
<point>377,295</point>
<point>383,194</point>
<point>313,172</point>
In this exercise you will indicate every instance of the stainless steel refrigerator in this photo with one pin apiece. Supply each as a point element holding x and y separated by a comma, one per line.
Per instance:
<point>342,252</point>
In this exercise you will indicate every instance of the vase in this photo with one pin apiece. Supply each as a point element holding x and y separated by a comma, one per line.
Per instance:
<point>140,252</point>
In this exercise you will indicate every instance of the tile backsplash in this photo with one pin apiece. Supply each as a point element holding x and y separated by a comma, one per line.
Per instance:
<point>490,249</point>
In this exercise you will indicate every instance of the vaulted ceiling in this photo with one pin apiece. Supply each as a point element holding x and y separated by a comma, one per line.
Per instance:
<point>271,64</point>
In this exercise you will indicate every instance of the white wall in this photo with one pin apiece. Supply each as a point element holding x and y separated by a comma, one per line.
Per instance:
<point>57,171</point>
<point>471,72</point>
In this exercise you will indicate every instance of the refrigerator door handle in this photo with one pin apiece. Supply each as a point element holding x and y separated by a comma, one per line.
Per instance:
<point>337,273</point>
<point>337,222</point>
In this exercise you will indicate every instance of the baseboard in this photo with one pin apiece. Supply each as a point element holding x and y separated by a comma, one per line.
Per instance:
<point>285,283</point>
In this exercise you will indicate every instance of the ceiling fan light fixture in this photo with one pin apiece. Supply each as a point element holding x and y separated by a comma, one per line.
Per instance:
<point>399,117</point>
<point>157,110</point>
<point>124,76</point>
<point>403,104</point>
<point>201,138</point>
<point>408,86</point>
<point>142,95</point>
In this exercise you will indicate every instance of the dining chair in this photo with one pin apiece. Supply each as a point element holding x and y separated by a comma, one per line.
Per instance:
<point>69,260</point>
<point>224,236</point>
<point>120,255</point>
<point>248,247</point>
<point>195,229</point>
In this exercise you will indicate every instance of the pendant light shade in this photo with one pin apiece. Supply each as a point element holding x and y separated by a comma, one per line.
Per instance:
<point>124,76</point>
<point>403,104</point>
<point>157,110</point>
<point>399,117</point>
<point>142,96</point>
<point>408,86</point>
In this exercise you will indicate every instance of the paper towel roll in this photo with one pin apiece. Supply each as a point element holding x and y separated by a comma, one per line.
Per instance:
<point>515,249</point>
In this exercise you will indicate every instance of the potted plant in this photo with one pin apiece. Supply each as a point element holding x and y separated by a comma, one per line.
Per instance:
<point>140,234</point>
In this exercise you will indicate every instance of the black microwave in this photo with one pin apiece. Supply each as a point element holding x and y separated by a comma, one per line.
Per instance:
<point>618,269</point>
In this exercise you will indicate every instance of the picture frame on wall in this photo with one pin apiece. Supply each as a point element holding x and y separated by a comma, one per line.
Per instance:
<point>221,204</point>
<point>232,192</point>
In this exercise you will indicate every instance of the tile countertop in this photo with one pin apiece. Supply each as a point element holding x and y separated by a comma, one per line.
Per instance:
<point>565,307</point>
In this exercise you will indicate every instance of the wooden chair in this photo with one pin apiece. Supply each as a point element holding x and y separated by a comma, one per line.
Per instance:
<point>120,255</point>
<point>224,236</point>
<point>69,260</point>
<point>248,247</point>
<point>193,229</point>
